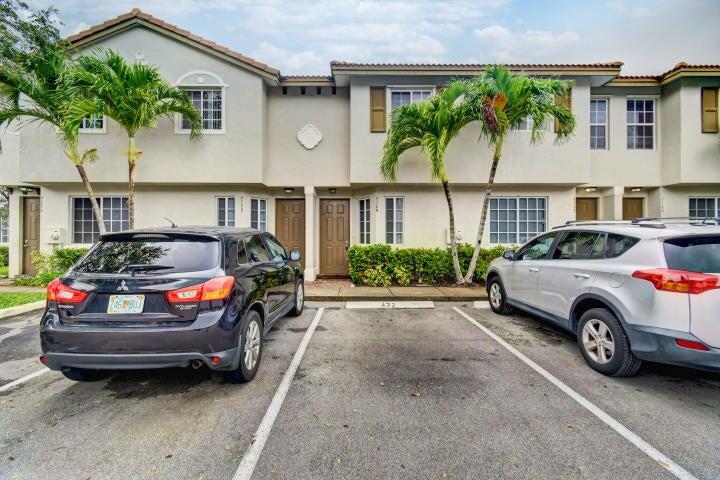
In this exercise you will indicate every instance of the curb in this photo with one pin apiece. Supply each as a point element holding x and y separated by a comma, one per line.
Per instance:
<point>380,298</point>
<point>28,307</point>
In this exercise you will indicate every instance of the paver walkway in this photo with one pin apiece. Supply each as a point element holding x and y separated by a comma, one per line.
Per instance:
<point>343,290</point>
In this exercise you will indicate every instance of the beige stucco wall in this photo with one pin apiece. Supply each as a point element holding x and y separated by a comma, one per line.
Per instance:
<point>675,200</point>
<point>288,163</point>
<point>617,165</point>
<point>235,156</point>
<point>700,152</point>
<point>9,157</point>
<point>469,160</point>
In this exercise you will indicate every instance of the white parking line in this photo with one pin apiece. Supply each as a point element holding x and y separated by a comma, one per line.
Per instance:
<point>400,304</point>
<point>14,383</point>
<point>630,436</point>
<point>252,455</point>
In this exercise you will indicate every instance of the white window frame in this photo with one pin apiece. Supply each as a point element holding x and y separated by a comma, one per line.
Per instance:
<point>195,80</point>
<point>606,124</point>
<point>227,218</point>
<point>94,130</point>
<point>528,125</point>
<point>517,220</point>
<point>364,222</point>
<point>4,227</point>
<point>101,201</point>
<point>715,200</point>
<point>260,201</point>
<point>656,109</point>
<point>396,218</point>
<point>404,88</point>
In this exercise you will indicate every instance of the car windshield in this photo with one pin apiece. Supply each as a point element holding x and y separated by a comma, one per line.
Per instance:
<point>695,254</point>
<point>145,254</point>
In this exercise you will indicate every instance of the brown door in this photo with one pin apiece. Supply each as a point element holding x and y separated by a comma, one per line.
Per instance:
<point>586,209</point>
<point>31,232</point>
<point>290,225</point>
<point>334,236</point>
<point>632,208</point>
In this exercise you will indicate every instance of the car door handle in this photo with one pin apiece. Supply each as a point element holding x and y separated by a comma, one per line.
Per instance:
<point>581,275</point>
<point>533,270</point>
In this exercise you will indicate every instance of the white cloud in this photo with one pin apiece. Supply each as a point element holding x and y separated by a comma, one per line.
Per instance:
<point>288,62</point>
<point>530,45</point>
<point>638,11</point>
<point>80,27</point>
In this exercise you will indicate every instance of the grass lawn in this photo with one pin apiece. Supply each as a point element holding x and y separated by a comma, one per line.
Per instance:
<point>3,272</point>
<point>14,299</point>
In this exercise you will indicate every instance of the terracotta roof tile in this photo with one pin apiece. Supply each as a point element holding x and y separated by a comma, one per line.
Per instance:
<point>605,65</point>
<point>137,13</point>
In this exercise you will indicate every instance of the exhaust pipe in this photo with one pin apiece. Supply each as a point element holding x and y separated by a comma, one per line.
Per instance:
<point>196,364</point>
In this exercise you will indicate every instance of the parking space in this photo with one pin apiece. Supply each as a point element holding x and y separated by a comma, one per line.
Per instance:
<point>378,394</point>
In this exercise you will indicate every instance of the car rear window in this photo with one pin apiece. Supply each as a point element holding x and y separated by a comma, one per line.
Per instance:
<point>695,254</point>
<point>142,253</point>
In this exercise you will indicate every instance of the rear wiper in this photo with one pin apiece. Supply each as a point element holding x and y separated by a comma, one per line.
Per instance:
<point>141,267</point>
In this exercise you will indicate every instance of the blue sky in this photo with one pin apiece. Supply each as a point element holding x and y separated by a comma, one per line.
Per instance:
<point>303,36</point>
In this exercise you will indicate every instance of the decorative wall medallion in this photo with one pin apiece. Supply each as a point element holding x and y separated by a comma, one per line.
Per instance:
<point>309,136</point>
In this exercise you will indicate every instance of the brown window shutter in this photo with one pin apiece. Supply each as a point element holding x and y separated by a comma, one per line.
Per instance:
<point>710,110</point>
<point>564,101</point>
<point>377,109</point>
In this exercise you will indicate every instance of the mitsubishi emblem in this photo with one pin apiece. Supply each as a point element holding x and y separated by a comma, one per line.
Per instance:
<point>123,286</point>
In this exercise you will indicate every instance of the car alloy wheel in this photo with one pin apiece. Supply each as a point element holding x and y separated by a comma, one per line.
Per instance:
<point>299,297</point>
<point>252,344</point>
<point>496,295</point>
<point>598,341</point>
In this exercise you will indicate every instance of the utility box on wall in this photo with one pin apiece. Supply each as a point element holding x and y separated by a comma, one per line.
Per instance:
<point>56,235</point>
<point>458,235</point>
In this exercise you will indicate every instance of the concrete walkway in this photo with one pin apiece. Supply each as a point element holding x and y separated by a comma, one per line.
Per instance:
<point>343,290</point>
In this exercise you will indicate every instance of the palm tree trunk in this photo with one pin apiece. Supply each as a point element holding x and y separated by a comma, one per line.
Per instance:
<point>453,246</point>
<point>132,165</point>
<point>483,216</point>
<point>93,201</point>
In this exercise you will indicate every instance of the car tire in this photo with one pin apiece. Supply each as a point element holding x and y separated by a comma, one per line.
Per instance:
<point>298,300</point>
<point>497,297</point>
<point>599,332</point>
<point>83,374</point>
<point>250,338</point>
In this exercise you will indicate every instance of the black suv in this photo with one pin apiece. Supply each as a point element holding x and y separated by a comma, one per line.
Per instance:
<point>170,297</point>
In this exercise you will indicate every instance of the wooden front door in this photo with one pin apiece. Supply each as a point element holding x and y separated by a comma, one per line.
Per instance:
<point>334,236</point>
<point>632,208</point>
<point>290,225</point>
<point>31,233</point>
<point>586,209</point>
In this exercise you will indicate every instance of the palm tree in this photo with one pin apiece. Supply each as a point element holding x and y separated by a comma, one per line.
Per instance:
<point>430,125</point>
<point>37,76</point>
<point>134,95</point>
<point>501,101</point>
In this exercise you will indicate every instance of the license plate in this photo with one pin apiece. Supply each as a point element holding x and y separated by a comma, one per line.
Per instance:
<point>126,304</point>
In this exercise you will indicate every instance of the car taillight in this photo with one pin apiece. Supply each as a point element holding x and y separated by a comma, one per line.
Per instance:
<point>58,292</point>
<point>185,295</point>
<point>680,281</point>
<point>214,289</point>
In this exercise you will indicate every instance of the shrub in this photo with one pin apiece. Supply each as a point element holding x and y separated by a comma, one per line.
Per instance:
<point>411,265</point>
<point>51,265</point>
<point>376,277</point>
<point>402,276</point>
<point>4,256</point>
<point>362,257</point>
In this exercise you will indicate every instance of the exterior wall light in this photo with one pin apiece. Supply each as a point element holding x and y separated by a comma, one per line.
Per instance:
<point>636,189</point>
<point>591,189</point>
<point>332,190</point>
<point>289,190</point>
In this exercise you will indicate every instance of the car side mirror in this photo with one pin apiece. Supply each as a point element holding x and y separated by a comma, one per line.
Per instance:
<point>509,255</point>
<point>294,255</point>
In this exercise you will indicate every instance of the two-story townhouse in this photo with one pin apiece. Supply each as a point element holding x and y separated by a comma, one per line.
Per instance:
<point>299,155</point>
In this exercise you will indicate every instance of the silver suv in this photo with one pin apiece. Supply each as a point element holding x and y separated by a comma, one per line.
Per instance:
<point>631,291</point>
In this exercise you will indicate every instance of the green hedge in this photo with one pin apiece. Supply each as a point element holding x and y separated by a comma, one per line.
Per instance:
<point>379,264</point>
<point>4,256</point>
<point>51,265</point>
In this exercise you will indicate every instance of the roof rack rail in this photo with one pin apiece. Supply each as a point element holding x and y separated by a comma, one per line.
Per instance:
<point>593,222</point>
<point>690,220</point>
<point>647,222</point>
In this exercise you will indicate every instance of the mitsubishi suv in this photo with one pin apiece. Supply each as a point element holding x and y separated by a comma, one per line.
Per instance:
<point>175,297</point>
<point>630,291</point>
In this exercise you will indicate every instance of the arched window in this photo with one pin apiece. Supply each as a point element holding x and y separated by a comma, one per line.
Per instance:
<point>207,93</point>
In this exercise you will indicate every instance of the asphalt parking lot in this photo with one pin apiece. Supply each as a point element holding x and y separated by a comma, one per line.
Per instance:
<point>377,394</point>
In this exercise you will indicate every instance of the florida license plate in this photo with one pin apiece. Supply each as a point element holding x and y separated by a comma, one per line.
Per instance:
<point>126,304</point>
